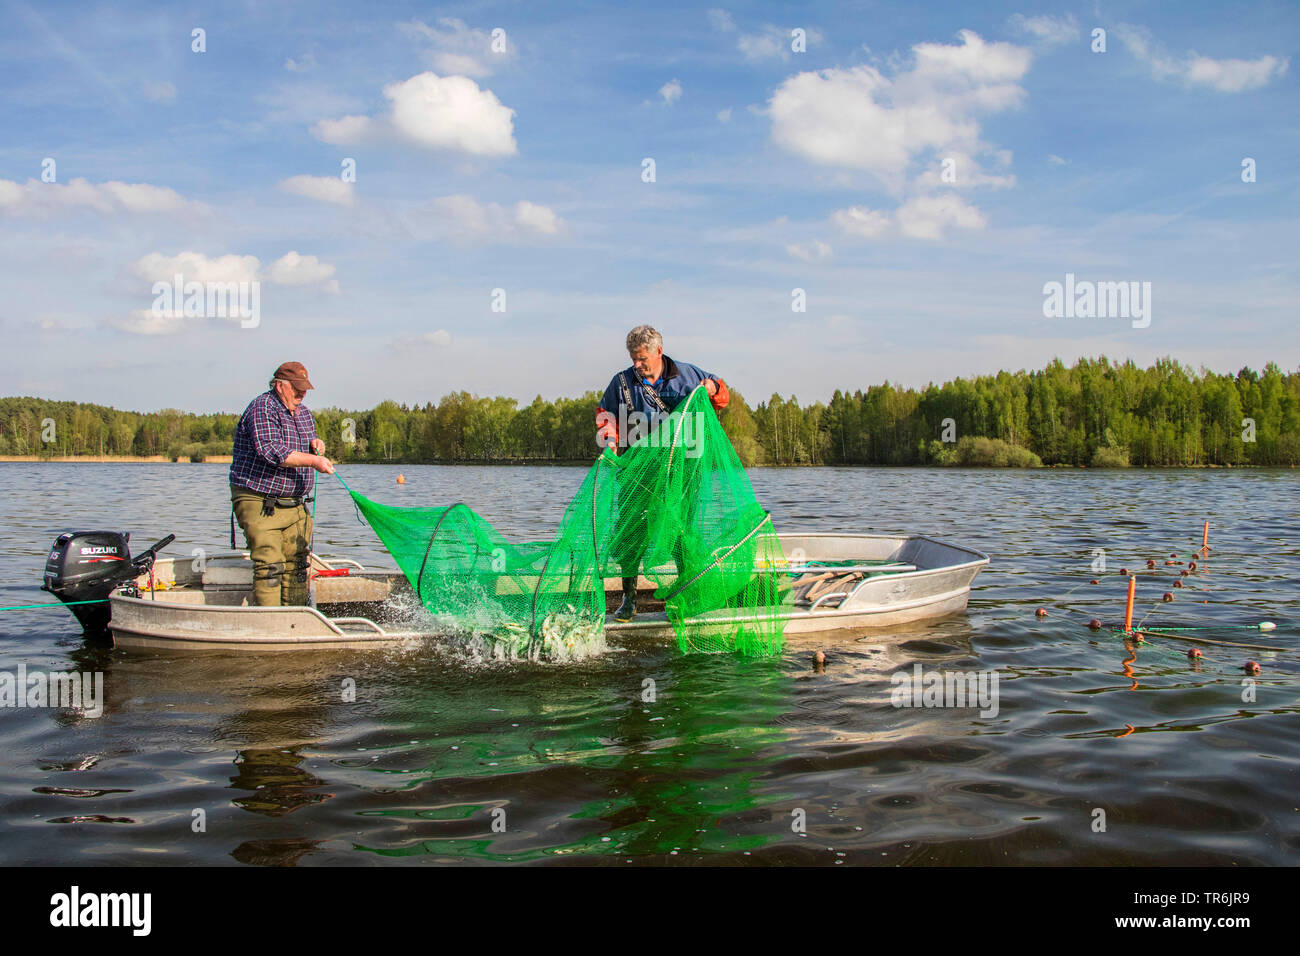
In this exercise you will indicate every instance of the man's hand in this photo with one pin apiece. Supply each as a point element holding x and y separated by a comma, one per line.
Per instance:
<point>711,387</point>
<point>323,464</point>
<point>318,446</point>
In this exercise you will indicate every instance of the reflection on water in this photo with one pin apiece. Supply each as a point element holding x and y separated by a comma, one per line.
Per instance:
<point>650,756</point>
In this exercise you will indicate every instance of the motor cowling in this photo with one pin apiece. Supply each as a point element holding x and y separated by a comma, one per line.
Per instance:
<point>89,566</point>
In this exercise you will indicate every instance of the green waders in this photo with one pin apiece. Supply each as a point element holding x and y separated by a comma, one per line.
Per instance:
<point>278,542</point>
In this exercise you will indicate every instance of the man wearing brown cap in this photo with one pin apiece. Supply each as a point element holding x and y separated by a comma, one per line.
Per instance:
<point>271,486</point>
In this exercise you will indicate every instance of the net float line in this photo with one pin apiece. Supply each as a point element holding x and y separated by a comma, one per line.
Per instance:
<point>1156,632</point>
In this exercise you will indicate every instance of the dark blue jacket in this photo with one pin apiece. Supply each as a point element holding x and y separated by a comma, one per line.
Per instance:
<point>675,385</point>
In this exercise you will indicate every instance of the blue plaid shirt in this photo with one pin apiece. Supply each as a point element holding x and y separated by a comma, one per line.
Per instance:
<point>266,434</point>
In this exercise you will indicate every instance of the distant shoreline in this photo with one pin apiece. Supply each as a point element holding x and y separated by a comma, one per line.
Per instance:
<point>549,463</point>
<point>124,459</point>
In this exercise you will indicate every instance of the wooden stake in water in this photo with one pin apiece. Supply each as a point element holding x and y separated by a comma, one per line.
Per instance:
<point>1128,608</point>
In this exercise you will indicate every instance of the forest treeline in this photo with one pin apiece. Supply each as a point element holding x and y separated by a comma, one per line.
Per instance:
<point>1094,413</point>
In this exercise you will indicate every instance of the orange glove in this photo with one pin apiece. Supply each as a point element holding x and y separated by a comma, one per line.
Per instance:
<point>607,429</point>
<point>721,397</point>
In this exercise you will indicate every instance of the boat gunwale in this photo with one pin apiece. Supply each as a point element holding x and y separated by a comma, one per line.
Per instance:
<point>382,636</point>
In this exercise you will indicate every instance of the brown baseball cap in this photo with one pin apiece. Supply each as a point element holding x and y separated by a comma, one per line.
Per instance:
<point>295,373</point>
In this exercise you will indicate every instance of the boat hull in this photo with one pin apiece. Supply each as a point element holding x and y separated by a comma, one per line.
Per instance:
<point>211,610</point>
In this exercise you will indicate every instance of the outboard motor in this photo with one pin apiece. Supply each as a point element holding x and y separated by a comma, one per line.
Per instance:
<point>89,566</point>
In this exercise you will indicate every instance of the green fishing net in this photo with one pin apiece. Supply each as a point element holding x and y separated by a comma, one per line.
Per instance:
<point>676,506</point>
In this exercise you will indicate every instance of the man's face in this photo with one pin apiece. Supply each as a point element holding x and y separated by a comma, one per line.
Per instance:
<point>649,363</point>
<point>292,397</point>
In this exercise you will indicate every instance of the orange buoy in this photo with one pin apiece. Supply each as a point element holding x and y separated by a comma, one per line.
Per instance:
<point>1094,625</point>
<point>1041,612</point>
<point>1094,581</point>
<point>1194,653</point>
<point>1151,563</point>
<point>1251,667</point>
<point>1124,571</point>
<point>401,479</point>
<point>1178,583</point>
<point>1169,596</point>
<point>1205,537</point>
<point>1128,608</point>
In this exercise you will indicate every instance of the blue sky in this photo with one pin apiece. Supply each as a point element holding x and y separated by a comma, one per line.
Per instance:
<point>481,169</point>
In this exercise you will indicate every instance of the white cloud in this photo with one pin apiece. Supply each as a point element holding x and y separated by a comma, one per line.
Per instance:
<point>436,112</point>
<point>671,92</point>
<point>293,269</point>
<point>196,267</point>
<point>927,217</point>
<point>537,218</point>
<point>861,222</point>
<point>1057,160</point>
<point>303,64</point>
<point>470,219</point>
<point>321,188</point>
<point>289,269</point>
<point>457,49</point>
<point>770,43</point>
<point>1193,69</point>
<point>1047,29</point>
<point>921,217</point>
<point>860,119</point>
<point>345,130</point>
<point>39,199</point>
<point>724,116</point>
<point>162,91</point>
<point>437,339</point>
<point>816,249</point>
<point>721,20</point>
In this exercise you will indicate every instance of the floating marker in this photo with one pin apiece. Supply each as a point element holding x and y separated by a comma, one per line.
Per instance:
<point>1252,667</point>
<point>1094,625</point>
<point>1267,626</point>
<point>401,479</point>
<point>1094,581</point>
<point>1128,608</point>
<point>1168,596</point>
<point>1194,653</point>
<point>1041,612</point>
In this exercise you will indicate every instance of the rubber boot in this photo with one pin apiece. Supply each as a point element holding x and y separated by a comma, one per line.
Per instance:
<point>627,610</point>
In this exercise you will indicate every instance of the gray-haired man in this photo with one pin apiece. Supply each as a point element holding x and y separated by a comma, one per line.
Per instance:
<point>653,386</point>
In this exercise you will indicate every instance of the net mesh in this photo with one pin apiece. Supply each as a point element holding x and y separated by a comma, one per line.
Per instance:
<point>676,507</point>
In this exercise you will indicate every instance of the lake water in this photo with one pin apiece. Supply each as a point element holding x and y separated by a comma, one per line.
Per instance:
<point>1172,755</point>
